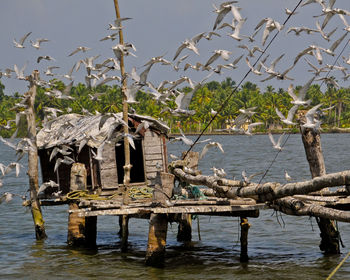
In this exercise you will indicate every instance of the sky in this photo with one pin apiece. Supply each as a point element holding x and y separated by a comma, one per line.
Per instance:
<point>157,28</point>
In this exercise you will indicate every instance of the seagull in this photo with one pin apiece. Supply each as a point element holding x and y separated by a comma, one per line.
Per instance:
<point>176,66</point>
<point>131,92</point>
<point>286,176</point>
<point>210,35</point>
<point>247,179</point>
<point>141,80</point>
<point>63,150</point>
<point>21,42</point>
<point>299,30</point>
<point>123,49</point>
<point>222,11</point>
<point>277,145</point>
<point>289,119</point>
<point>65,160</point>
<point>250,51</point>
<point>49,69</point>
<point>248,112</point>
<point>347,26</point>
<point>49,184</point>
<point>186,140</point>
<point>69,74</point>
<point>118,21</point>
<point>218,53</point>
<point>111,37</point>
<point>299,100</point>
<point>20,73</point>
<point>219,172</point>
<point>78,49</point>
<point>46,57</point>
<point>189,44</point>
<point>289,12</point>
<point>254,71</point>
<point>210,145</point>
<point>7,197</point>
<point>235,34</point>
<point>37,43</point>
<point>310,120</point>
<point>270,26</point>
<point>316,71</point>
<point>323,34</point>
<point>250,128</point>
<point>12,165</point>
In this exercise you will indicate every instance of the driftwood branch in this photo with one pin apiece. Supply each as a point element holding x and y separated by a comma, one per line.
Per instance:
<point>264,192</point>
<point>293,206</point>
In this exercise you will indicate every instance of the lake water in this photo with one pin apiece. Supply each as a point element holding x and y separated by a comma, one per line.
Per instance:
<point>282,247</point>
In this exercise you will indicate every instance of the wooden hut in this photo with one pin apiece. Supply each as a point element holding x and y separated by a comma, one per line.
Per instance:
<point>97,142</point>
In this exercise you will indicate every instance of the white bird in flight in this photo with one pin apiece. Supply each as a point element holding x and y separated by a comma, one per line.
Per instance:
<point>276,145</point>
<point>290,116</point>
<point>21,41</point>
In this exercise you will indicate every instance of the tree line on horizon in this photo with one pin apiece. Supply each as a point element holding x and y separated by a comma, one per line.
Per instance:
<point>108,99</point>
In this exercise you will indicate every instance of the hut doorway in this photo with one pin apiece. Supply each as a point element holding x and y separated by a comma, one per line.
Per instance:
<point>137,173</point>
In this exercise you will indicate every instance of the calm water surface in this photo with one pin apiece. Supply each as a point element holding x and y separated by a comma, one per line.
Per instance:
<point>280,247</point>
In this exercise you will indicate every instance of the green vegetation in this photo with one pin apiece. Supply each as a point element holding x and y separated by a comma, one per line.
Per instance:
<point>211,96</point>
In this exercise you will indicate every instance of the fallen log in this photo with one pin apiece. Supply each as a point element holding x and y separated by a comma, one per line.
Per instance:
<point>267,191</point>
<point>296,207</point>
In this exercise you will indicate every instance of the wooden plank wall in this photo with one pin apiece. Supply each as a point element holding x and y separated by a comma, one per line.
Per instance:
<point>153,155</point>
<point>108,168</point>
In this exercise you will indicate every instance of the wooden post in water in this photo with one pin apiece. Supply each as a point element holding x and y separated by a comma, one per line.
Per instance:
<point>158,227</point>
<point>33,159</point>
<point>244,239</point>
<point>127,166</point>
<point>81,230</point>
<point>124,232</point>
<point>158,223</point>
<point>312,144</point>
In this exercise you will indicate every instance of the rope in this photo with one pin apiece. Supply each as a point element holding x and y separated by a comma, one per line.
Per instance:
<point>223,105</point>
<point>338,266</point>
<point>140,192</point>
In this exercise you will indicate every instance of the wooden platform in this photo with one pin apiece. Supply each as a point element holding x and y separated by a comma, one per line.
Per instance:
<point>210,206</point>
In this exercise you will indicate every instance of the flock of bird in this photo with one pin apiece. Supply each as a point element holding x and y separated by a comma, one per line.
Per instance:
<point>100,71</point>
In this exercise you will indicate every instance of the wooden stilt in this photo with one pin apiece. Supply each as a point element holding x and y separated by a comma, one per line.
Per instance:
<point>329,233</point>
<point>244,239</point>
<point>184,233</point>
<point>81,230</point>
<point>124,232</point>
<point>158,226</point>
<point>76,227</point>
<point>33,159</point>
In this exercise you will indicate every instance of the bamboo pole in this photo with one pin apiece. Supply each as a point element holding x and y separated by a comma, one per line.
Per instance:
<point>33,160</point>
<point>127,166</point>
<point>124,232</point>
<point>312,144</point>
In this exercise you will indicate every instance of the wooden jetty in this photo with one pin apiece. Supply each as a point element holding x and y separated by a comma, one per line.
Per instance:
<point>163,192</point>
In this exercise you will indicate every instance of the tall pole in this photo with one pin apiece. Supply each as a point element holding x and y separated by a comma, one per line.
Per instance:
<point>127,165</point>
<point>33,160</point>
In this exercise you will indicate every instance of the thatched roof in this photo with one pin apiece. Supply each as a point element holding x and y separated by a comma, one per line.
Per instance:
<point>95,129</point>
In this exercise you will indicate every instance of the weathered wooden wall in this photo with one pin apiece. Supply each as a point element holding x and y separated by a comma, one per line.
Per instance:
<point>154,156</point>
<point>108,168</point>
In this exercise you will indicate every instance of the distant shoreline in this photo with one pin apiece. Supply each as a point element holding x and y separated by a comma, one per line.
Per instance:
<point>274,131</point>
